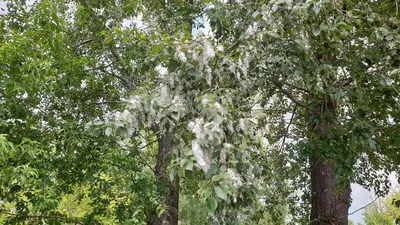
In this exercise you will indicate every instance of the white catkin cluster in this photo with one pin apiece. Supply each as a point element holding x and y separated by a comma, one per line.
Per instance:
<point>201,53</point>
<point>224,151</point>
<point>151,110</point>
<point>216,107</point>
<point>234,178</point>
<point>207,132</point>
<point>180,55</point>
<point>247,126</point>
<point>201,156</point>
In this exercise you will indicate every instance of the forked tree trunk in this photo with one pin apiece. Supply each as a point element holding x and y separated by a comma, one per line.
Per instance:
<point>329,203</point>
<point>169,189</point>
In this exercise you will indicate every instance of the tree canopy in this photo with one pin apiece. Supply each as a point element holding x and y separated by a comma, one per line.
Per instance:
<point>125,111</point>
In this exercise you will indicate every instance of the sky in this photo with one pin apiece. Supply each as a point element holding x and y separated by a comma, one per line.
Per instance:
<point>361,197</point>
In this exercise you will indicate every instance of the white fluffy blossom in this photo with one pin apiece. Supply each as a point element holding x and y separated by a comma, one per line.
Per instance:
<point>244,63</point>
<point>220,48</point>
<point>208,72</point>
<point>208,52</point>
<point>180,56</point>
<point>251,30</point>
<point>242,124</point>
<point>135,102</point>
<point>162,71</point>
<point>213,130</point>
<point>234,178</point>
<point>178,102</point>
<point>223,152</point>
<point>196,127</point>
<point>201,156</point>
<point>219,108</point>
<point>128,120</point>
<point>211,103</point>
<point>232,68</point>
<point>164,95</point>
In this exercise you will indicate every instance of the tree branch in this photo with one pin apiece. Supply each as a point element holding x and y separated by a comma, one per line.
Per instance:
<point>279,85</point>
<point>294,86</point>
<point>364,206</point>
<point>287,128</point>
<point>83,42</point>
<point>127,82</point>
<point>108,102</point>
<point>116,55</point>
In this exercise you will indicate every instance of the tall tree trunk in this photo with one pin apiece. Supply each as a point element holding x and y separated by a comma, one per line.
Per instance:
<point>329,203</point>
<point>169,189</point>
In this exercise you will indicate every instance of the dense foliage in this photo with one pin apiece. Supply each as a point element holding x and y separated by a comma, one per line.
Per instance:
<point>122,109</point>
<point>384,212</point>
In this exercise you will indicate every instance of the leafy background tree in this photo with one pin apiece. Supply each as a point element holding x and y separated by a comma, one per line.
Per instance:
<point>384,211</point>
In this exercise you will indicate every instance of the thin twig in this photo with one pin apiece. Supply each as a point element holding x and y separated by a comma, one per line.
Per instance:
<point>83,42</point>
<point>287,128</point>
<point>147,145</point>
<point>108,102</point>
<point>144,160</point>
<point>116,55</point>
<point>364,206</point>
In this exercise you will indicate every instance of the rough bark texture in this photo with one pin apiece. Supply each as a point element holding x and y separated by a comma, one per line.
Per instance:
<point>329,203</point>
<point>170,189</point>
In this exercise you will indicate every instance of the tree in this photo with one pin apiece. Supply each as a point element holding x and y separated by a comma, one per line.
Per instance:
<point>384,211</point>
<point>50,100</point>
<point>320,59</point>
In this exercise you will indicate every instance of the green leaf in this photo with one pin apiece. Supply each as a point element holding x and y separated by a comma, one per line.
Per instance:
<point>221,193</point>
<point>372,144</point>
<point>176,115</point>
<point>192,72</point>
<point>107,40</point>
<point>316,31</point>
<point>189,165</point>
<point>394,72</point>
<point>218,119</point>
<point>212,203</point>
<point>119,123</point>
<point>383,82</point>
<point>108,131</point>
<point>345,26</point>
<point>155,49</point>
<point>219,177</point>
<point>172,173</point>
<point>183,162</point>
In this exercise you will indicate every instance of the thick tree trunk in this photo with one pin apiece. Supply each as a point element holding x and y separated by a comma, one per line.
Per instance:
<point>329,203</point>
<point>169,189</point>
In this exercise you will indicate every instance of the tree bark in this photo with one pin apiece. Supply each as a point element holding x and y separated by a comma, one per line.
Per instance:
<point>169,189</point>
<point>329,203</point>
